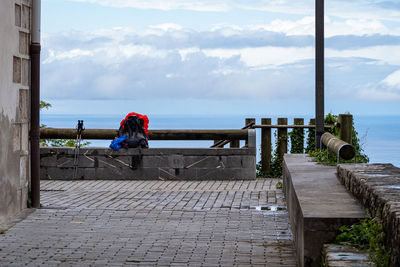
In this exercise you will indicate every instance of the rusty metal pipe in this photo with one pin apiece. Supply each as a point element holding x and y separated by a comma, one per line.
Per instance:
<point>341,148</point>
<point>109,134</point>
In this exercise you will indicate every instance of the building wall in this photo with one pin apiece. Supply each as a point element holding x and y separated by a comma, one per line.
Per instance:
<point>15,24</point>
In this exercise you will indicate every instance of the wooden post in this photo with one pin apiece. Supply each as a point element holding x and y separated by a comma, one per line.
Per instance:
<point>247,121</point>
<point>266,146</point>
<point>345,127</point>
<point>234,144</point>
<point>297,138</point>
<point>282,137</point>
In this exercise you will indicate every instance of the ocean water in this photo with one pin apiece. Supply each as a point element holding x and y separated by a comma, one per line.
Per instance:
<point>379,135</point>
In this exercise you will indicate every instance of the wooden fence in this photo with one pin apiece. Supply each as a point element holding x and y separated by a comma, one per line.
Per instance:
<point>345,122</point>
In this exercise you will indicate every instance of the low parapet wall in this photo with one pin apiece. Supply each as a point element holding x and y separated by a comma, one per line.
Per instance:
<point>377,186</point>
<point>318,206</point>
<point>152,163</point>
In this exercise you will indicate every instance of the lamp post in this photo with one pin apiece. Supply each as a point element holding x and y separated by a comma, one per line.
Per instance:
<point>319,72</point>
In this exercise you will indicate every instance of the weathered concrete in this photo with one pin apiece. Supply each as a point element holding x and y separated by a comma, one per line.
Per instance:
<point>14,108</point>
<point>318,205</point>
<point>153,163</point>
<point>154,223</point>
<point>377,186</point>
<point>345,256</point>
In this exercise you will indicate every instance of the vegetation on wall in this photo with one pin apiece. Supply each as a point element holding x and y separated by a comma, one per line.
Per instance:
<point>327,157</point>
<point>368,234</point>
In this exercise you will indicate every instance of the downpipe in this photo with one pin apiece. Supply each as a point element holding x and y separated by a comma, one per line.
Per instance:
<point>35,48</point>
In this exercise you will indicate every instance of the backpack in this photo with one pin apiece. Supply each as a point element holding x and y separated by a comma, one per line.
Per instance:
<point>132,134</point>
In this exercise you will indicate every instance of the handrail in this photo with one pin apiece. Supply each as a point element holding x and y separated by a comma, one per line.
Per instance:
<point>221,143</point>
<point>291,126</point>
<point>109,134</point>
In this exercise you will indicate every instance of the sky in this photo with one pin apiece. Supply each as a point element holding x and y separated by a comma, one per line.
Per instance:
<point>220,57</point>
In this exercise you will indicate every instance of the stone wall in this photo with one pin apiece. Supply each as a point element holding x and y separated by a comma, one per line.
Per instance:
<point>377,186</point>
<point>15,24</point>
<point>153,163</point>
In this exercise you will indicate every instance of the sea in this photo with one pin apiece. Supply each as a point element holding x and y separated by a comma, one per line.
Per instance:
<point>379,135</point>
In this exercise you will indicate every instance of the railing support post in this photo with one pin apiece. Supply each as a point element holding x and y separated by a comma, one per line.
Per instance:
<point>234,144</point>
<point>282,138</point>
<point>246,122</point>
<point>345,127</point>
<point>266,146</point>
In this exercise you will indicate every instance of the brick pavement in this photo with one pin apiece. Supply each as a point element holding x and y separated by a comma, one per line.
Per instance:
<point>153,223</point>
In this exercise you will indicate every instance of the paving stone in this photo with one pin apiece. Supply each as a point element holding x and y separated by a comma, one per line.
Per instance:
<point>153,223</point>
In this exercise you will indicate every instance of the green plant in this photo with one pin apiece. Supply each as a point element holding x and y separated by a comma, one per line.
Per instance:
<point>310,138</point>
<point>61,143</point>
<point>368,234</point>
<point>279,185</point>
<point>331,120</point>
<point>276,161</point>
<point>329,158</point>
<point>297,140</point>
<point>57,142</point>
<point>44,105</point>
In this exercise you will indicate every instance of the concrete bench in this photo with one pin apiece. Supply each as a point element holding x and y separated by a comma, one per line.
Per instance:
<point>318,205</point>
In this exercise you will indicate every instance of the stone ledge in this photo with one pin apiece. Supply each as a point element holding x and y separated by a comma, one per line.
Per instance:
<point>318,206</point>
<point>377,186</point>
<point>94,151</point>
<point>345,256</point>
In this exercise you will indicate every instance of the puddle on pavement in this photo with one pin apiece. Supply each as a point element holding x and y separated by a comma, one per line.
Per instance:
<point>376,175</point>
<point>395,186</point>
<point>270,208</point>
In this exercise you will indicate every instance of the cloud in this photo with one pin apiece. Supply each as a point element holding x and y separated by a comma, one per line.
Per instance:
<point>205,5</point>
<point>357,9</point>
<point>169,61</point>
<point>393,80</point>
<point>388,90</point>
<point>342,42</point>
<point>389,5</point>
<point>333,27</point>
<point>385,54</point>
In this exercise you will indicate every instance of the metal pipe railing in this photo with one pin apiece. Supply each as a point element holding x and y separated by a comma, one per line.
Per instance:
<point>290,126</point>
<point>341,148</point>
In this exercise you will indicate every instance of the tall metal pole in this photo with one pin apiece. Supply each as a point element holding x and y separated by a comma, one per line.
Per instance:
<point>319,71</point>
<point>35,105</point>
